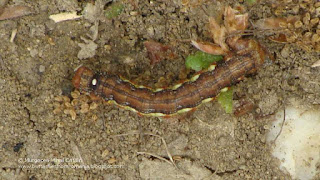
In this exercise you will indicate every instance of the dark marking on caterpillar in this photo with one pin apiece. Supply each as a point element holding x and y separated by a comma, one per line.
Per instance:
<point>202,87</point>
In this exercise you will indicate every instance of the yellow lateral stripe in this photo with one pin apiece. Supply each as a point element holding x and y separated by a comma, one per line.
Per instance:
<point>158,89</point>
<point>174,87</point>
<point>224,89</point>
<point>194,78</point>
<point>212,67</point>
<point>207,100</point>
<point>166,115</point>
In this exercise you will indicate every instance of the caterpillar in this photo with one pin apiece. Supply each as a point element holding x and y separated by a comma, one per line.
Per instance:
<point>242,57</point>
<point>183,97</point>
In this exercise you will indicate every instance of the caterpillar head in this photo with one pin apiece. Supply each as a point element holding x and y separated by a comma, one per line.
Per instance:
<point>84,79</point>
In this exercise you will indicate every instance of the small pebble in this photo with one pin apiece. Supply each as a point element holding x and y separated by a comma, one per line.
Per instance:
<point>133,13</point>
<point>94,117</point>
<point>150,31</point>
<point>107,47</point>
<point>93,106</point>
<point>66,111</point>
<point>75,102</point>
<point>84,108</point>
<point>73,114</point>
<point>33,53</point>
<point>66,98</point>
<point>75,94</point>
<point>42,68</point>
<point>58,99</point>
<point>57,111</point>
<point>105,153</point>
<point>129,60</point>
<point>68,104</point>
<point>285,52</point>
<point>112,160</point>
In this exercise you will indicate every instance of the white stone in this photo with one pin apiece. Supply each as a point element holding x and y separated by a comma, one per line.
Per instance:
<point>298,145</point>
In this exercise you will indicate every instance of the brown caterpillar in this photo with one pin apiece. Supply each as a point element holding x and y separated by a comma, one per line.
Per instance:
<point>183,97</point>
<point>242,57</point>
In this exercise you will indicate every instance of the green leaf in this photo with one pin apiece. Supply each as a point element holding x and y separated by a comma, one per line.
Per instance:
<point>114,10</point>
<point>251,2</point>
<point>201,60</point>
<point>225,99</point>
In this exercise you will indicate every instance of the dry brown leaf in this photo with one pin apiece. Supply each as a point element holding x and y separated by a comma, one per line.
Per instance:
<point>281,38</point>
<point>234,21</point>
<point>276,23</point>
<point>244,107</point>
<point>229,15</point>
<point>14,12</point>
<point>218,33</point>
<point>158,51</point>
<point>209,48</point>
<point>242,21</point>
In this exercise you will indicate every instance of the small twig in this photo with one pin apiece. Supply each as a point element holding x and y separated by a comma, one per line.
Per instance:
<point>253,31</point>
<point>156,156</point>
<point>75,69</point>
<point>2,65</point>
<point>165,145</point>
<point>77,152</point>
<point>282,124</point>
<point>150,134</point>
<point>284,108</point>
<point>13,35</point>
<point>203,123</point>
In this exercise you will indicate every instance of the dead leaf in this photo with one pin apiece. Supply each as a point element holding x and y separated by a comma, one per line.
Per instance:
<point>209,48</point>
<point>218,33</point>
<point>14,12</point>
<point>64,16</point>
<point>242,21</point>
<point>244,107</point>
<point>276,23</point>
<point>281,38</point>
<point>234,21</point>
<point>158,52</point>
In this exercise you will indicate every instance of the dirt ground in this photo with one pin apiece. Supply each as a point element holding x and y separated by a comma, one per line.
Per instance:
<point>112,143</point>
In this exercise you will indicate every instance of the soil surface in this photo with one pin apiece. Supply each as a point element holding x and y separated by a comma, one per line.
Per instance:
<point>107,142</point>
